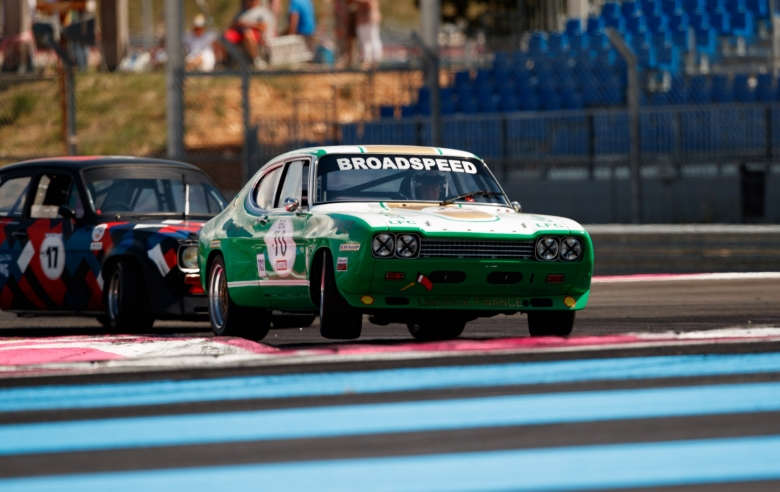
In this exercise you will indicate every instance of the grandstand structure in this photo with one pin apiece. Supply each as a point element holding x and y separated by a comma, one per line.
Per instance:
<point>563,97</point>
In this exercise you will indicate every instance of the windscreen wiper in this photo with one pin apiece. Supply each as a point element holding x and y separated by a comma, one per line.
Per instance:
<point>450,201</point>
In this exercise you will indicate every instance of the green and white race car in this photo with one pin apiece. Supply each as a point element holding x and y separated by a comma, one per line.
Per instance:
<point>416,235</point>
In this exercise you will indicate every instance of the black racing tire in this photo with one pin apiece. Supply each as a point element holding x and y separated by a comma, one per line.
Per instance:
<point>126,299</point>
<point>338,320</point>
<point>282,321</point>
<point>432,331</point>
<point>227,318</point>
<point>550,323</point>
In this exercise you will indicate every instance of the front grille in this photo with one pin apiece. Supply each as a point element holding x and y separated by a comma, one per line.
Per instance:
<point>434,248</point>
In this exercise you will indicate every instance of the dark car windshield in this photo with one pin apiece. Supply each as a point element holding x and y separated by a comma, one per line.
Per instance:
<point>140,189</point>
<point>361,177</point>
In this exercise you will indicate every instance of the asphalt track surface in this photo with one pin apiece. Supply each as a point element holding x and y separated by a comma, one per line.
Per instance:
<point>699,417</point>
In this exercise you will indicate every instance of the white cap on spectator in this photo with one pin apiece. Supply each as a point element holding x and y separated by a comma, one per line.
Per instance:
<point>199,21</point>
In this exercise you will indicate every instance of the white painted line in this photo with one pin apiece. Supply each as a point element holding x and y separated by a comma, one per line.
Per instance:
<point>663,277</point>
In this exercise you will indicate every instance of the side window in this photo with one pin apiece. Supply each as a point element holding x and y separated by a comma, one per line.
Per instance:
<point>295,183</point>
<point>13,195</point>
<point>53,191</point>
<point>265,192</point>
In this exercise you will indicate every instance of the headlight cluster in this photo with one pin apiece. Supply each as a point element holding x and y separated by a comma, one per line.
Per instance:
<point>188,257</point>
<point>405,246</point>
<point>554,248</point>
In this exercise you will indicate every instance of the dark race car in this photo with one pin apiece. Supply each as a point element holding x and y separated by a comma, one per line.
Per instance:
<point>113,237</point>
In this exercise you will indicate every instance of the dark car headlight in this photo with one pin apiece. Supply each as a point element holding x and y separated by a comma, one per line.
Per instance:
<point>383,245</point>
<point>407,245</point>
<point>188,257</point>
<point>571,249</point>
<point>547,248</point>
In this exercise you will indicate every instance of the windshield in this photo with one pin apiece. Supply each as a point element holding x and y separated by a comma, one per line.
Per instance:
<point>139,189</point>
<point>402,178</point>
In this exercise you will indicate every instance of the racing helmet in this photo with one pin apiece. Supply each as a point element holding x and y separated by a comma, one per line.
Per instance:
<point>428,178</point>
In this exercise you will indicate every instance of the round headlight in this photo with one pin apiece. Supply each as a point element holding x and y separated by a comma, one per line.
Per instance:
<point>188,257</point>
<point>571,249</point>
<point>547,248</point>
<point>383,245</point>
<point>407,246</point>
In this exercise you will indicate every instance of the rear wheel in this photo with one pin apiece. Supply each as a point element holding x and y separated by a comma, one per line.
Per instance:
<point>126,300</point>
<point>550,323</point>
<point>228,318</point>
<point>338,320</point>
<point>429,331</point>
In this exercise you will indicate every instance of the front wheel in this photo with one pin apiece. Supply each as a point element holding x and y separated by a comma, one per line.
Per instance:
<point>126,300</point>
<point>228,318</point>
<point>338,320</point>
<point>550,323</point>
<point>431,331</point>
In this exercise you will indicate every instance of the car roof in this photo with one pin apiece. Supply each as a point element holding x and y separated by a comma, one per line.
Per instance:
<point>378,149</point>
<point>84,162</point>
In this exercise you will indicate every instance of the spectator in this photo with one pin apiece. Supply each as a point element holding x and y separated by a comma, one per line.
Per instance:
<point>345,12</point>
<point>368,19</point>
<point>200,46</point>
<point>301,20</point>
<point>250,29</point>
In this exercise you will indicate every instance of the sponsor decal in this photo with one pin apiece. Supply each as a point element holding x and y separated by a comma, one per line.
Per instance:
<point>96,246</point>
<point>261,266</point>
<point>52,256</point>
<point>569,301</point>
<point>416,163</point>
<point>98,231</point>
<point>281,246</point>
<point>443,301</point>
<point>350,247</point>
<point>4,271</point>
<point>367,300</point>
<point>341,264</point>
<point>408,287</point>
<point>214,244</point>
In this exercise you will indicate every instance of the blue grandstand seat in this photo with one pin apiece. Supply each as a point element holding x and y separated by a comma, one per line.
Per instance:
<point>720,89</point>
<point>537,44</point>
<point>630,8</point>
<point>671,6</point>
<point>636,24</point>
<point>409,111</point>
<point>483,77</point>
<point>679,21</point>
<point>578,43</point>
<point>557,43</point>
<point>502,75</point>
<point>519,59</point>
<point>462,78</point>
<point>699,19</point>
<point>610,9</point>
<point>706,41</point>
<point>659,99</point>
<point>506,89</point>
<point>468,106</point>
<point>595,25</point>
<point>618,23</point>
<point>662,38</point>
<point>485,91</point>
<point>448,106</point>
<point>509,104</point>
<point>657,23</point>
<point>736,5</point>
<point>765,90</point>
<point>668,57</point>
<point>572,100</point>
<point>645,53</point>
<point>715,5</point>
<point>760,8</point>
<point>424,108</point>
<point>424,95</point>
<point>691,5</point>
<point>386,112</point>
<point>573,27</point>
<point>446,93</point>
<point>720,20</point>
<point>521,75</point>
<point>742,23</point>
<point>742,90</point>
<point>678,93</point>
<point>530,102</point>
<point>464,92</point>
<point>599,41</point>
<point>489,105</point>
<point>651,7</point>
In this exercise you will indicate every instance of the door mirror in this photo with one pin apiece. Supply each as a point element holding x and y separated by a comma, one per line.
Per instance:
<point>517,208</point>
<point>66,212</point>
<point>291,204</point>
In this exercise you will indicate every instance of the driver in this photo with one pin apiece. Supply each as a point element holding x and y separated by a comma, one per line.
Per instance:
<point>429,186</point>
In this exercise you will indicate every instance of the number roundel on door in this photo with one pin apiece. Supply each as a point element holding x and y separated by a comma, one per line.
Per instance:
<point>52,255</point>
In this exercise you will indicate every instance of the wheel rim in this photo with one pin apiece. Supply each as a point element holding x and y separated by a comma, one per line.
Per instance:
<point>218,296</point>
<point>114,290</point>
